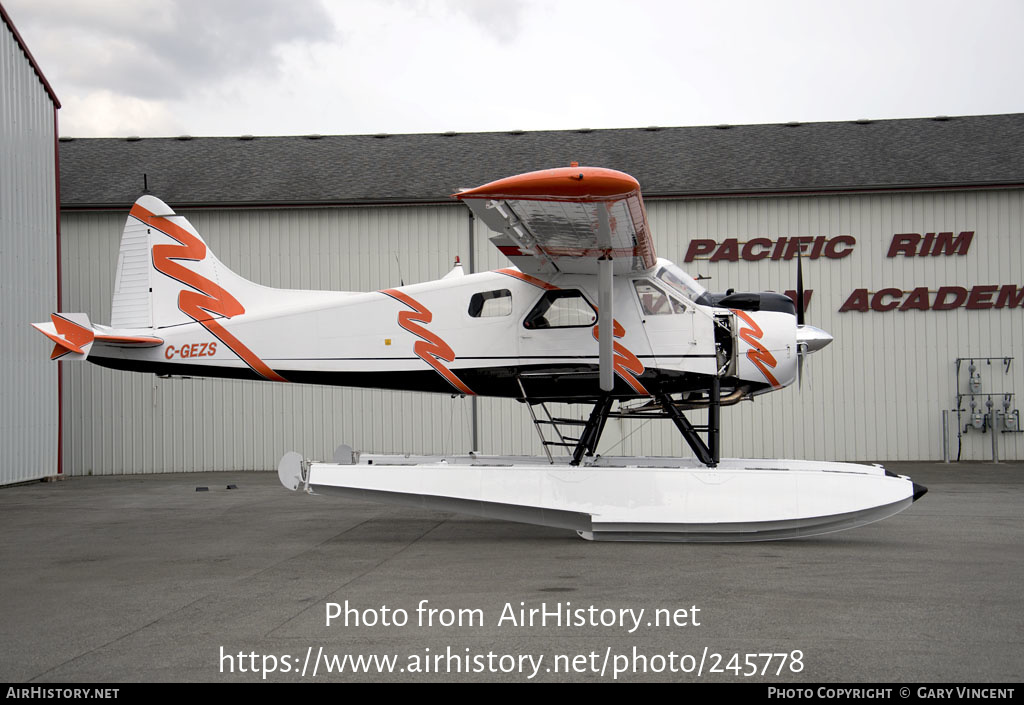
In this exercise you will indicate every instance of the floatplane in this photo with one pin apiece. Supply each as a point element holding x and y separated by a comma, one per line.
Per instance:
<point>587,315</point>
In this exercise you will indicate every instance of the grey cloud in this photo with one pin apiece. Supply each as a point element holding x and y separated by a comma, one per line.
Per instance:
<point>166,49</point>
<point>501,18</point>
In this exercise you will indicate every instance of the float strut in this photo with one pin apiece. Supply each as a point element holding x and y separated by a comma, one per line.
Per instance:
<point>714,419</point>
<point>706,455</point>
<point>587,443</point>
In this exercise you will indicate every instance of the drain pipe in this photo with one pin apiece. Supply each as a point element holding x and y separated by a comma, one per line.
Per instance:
<point>474,410</point>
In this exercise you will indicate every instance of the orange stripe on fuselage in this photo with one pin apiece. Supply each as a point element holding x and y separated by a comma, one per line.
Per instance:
<point>758,354</point>
<point>431,349</point>
<point>623,360</point>
<point>209,299</point>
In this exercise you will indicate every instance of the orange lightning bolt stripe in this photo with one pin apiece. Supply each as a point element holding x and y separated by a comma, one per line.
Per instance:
<point>624,361</point>
<point>758,354</point>
<point>431,349</point>
<point>208,299</point>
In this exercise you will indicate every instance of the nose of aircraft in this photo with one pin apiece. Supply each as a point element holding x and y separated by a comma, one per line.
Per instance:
<point>811,339</point>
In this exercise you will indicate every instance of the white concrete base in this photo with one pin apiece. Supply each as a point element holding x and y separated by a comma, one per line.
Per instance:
<point>626,499</point>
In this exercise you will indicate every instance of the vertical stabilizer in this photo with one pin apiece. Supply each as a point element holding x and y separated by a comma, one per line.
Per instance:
<point>167,276</point>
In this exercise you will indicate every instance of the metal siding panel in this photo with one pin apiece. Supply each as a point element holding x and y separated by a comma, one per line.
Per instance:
<point>876,393</point>
<point>28,267</point>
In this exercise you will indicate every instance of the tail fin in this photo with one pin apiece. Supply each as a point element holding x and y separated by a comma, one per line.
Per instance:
<point>72,333</point>
<point>166,275</point>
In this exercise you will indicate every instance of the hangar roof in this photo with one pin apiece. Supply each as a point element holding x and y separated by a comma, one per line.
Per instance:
<point>927,153</point>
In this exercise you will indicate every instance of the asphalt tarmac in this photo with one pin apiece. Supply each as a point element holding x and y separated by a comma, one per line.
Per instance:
<point>142,578</point>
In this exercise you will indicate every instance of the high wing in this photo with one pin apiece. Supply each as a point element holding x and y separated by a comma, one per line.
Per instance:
<point>565,220</point>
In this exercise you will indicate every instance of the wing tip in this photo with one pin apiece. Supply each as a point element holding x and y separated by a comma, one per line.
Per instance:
<point>575,183</point>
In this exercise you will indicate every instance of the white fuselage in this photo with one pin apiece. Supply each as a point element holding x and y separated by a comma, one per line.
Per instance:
<point>479,334</point>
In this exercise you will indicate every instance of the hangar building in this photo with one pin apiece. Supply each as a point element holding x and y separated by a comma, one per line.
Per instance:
<point>911,233</point>
<point>29,289</point>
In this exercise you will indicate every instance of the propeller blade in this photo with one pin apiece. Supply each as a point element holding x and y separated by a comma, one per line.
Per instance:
<point>801,350</point>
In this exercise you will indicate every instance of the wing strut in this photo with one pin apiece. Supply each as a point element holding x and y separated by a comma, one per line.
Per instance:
<point>591,435</point>
<point>605,324</point>
<point>605,285</point>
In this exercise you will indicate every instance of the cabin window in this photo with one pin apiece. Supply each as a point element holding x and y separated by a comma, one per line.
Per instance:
<point>491,304</point>
<point>654,301</point>
<point>563,308</point>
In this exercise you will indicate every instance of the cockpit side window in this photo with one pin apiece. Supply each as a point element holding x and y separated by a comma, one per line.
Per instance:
<point>654,301</point>
<point>562,308</point>
<point>490,304</point>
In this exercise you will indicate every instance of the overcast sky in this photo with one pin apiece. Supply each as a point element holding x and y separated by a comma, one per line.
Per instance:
<point>287,67</point>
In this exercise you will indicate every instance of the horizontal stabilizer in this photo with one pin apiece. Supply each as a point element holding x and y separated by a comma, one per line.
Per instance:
<point>72,333</point>
<point>129,341</point>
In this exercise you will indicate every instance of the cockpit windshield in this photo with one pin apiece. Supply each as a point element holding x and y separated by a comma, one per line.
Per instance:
<point>682,282</point>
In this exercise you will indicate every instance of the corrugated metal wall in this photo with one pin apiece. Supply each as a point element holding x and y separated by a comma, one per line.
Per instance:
<point>876,393</point>
<point>28,268</point>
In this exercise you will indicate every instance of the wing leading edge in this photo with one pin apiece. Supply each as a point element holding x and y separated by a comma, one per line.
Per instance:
<point>565,220</point>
